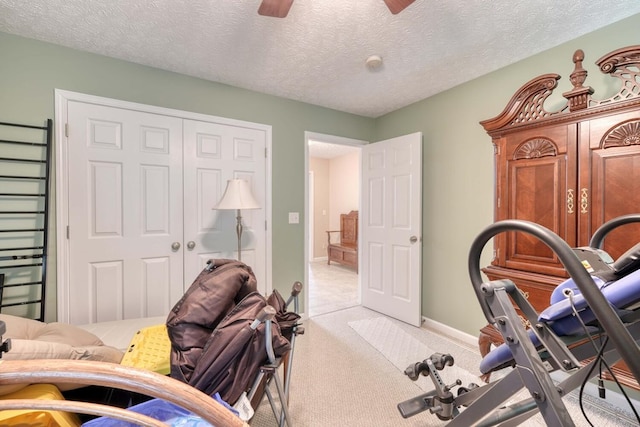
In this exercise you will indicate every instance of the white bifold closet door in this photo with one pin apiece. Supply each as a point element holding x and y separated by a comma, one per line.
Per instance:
<point>140,191</point>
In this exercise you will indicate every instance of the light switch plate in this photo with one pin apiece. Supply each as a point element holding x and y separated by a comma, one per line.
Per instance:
<point>294,218</point>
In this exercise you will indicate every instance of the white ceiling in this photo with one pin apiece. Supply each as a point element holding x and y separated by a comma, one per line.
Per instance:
<point>326,150</point>
<point>317,53</point>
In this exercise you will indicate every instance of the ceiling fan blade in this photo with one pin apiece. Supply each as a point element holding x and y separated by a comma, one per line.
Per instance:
<point>397,6</point>
<point>275,8</point>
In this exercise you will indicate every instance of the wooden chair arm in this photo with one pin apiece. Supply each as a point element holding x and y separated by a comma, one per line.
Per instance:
<point>114,375</point>
<point>81,408</point>
<point>329,235</point>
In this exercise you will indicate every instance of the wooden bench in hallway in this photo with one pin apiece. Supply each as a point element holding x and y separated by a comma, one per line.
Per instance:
<point>346,250</point>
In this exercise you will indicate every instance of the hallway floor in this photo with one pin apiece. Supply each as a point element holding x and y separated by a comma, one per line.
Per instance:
<point>331,288</point>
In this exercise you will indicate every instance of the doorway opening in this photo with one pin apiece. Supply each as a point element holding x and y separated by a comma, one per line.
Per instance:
<point>332,188</point>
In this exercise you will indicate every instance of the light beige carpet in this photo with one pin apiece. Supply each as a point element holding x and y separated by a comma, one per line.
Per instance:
<point>343,378</point>
<point>402,350</point>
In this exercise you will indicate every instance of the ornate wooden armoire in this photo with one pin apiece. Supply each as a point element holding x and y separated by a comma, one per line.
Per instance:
<point>570,170</point>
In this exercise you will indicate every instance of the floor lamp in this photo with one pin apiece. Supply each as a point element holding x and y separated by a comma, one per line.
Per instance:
<point>237,196</point>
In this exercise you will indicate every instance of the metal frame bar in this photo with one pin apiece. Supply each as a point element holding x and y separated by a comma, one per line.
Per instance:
<point>44,195</point>
<point>497,299</point>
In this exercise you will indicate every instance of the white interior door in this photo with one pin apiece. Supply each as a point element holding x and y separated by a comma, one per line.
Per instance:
<point>125,177</point>
<point>216,153</point>
<point>391,224</point>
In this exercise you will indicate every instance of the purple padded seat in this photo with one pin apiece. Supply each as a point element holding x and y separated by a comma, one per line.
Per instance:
<point>621,294</point>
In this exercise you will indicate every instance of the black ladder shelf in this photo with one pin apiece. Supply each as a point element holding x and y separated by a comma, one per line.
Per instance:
<point>25,157</point>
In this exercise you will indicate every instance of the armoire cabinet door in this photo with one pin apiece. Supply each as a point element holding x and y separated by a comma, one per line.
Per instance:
<point>610,178</point>
<point>536,182</point>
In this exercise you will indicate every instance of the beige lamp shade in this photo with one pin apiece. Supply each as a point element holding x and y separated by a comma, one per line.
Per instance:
<point>237,195</point>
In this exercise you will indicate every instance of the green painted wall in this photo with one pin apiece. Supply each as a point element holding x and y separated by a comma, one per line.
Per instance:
<point>31,70</point>
<point>458,162</point>
<point>458,155</point>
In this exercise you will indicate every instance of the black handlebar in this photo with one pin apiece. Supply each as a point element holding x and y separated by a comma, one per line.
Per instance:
<point>598,237</point>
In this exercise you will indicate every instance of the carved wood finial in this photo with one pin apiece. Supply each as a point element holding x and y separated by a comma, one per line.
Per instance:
<point>579,96</point>
<point>579,74</point>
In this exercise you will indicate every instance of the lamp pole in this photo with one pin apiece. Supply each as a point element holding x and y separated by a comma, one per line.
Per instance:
<point>239,233</point>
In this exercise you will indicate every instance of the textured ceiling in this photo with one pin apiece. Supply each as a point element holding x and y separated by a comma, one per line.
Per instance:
<point>317,53</point>
<point>326,150</point>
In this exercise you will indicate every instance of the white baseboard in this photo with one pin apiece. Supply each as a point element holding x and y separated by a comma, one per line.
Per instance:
<point>449,331</point>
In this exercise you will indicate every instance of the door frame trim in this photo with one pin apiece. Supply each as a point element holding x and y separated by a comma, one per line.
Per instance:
<point>61,197</point>
<point>331,139</point>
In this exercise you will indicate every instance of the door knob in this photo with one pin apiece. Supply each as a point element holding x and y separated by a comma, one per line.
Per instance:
<point>413,239</point>
<point>175,246</point>
<point>191,244</point>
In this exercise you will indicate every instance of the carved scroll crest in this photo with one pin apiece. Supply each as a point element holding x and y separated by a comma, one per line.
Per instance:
<point>623,64</point>
<point>535,148</point>
<point>527,104</point>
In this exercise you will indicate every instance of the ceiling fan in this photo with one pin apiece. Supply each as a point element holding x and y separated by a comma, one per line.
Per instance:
<point>280,8</point>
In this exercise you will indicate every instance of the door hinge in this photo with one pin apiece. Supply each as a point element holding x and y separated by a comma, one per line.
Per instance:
<point>265,225</point>
<point>67,232</point>
<point>266,152</point>
<point>66,130</point>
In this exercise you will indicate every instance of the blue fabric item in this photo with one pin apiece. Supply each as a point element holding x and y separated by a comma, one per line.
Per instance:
<point>161,410</point>
<point>502,354</point>
<point>558,293</point>
<point>559,316</point>
<point>217,397</point>
<point>620,294</point>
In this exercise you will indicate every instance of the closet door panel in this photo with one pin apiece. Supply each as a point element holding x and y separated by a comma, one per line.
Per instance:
<point>125,193</point>
<point>213,154</point>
